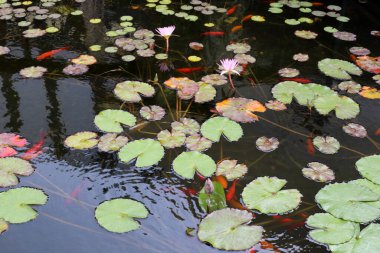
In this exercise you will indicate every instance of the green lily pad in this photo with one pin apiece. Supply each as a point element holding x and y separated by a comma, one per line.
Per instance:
<point>188,162</point>
<point>12,166</point>
<point>285,91</point>
<point>369,167</point>
<point>213,128</point>
<point>292,21</point>
<point>110,120</point>
<point>367,241</point>
<point>345,107</point>
<point>214,201</point>
<point>131,91</point>
<point>330,230</point>
<point>226,229</point>
<point>349,202</point>
<point>265,194</point>
<point>338,69</point>
<point>15,203</point>
<point>373,187</point>
<point>326,145</point>
<point>231,169</point>
<point>330,29</point>
<point>205,93</point>
<point>82,140</point>
<point>117,215</point>
<point>147,151</point>
<point>3,226</point>
<point>171,139</point>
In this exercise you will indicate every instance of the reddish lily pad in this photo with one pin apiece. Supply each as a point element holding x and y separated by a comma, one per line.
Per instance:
<point>240,109</point>
<point>318,172</point>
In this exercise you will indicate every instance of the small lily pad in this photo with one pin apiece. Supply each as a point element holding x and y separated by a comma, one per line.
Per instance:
<point>130,91</point>
<point>226,229</point>
<point>355,130</point>
<point>318,172</point>
<point>12,166</point>
<point>171,139</point>
<point>15,203</point>
<point>152,113</point>
<point>111,142</point>
<point>265,194</point>
<point>240,109</point>
<point>117,215</point>
<point>187,163</point>
<point>369,167</point>
<point>266,144</point>
<point>82,140</point>
<point>326,145</point>
<point>110,120</point>
<point>231,169</point>
<point>147,152</point>
<point>205,93</point>
<point>213,128</point>
<point>196,142</point>
<point>186,126</point>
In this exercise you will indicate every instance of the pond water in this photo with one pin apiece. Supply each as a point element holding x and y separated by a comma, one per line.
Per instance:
<point>77,181</point>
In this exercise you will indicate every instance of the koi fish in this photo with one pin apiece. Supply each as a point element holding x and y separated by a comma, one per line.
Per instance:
<point>188,191</point>
<point>36,149</point>
<point>231,10</point>
<point>377,132</point>
<point>237,205</point>
<point>189,70</point>
<point>213,33</point>
<point>252,250</point>
<point>296,79</point>
<point>222,180</point>
<point>310,146</point>
<point>353,57</point>
<point>50,53</point>
<point>236,28</point>
<point>74,194</point>
<point>317,4</point>
<point>202,178</point>
<point>231,191</point>
<point>267,245</point>
<point>248,17</point>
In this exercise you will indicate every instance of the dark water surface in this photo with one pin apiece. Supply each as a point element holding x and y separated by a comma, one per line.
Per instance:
<point>62,105</point>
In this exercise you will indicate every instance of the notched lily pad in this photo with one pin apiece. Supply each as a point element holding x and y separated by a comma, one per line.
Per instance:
<point>12,166</point>
<point>196,142</point>
<point>186,126</point>
<point>171,139</point>
<point>147,152</point>
<point>338,69</point>
<point>369,167</point>
<point>111,120</point>
<point>111,142</point>
<point>131,91</point>
<point>187,163</point>
<point>231,169</point>
<point>213,129</point>
<point>240,109</point>
<point>82,140</point>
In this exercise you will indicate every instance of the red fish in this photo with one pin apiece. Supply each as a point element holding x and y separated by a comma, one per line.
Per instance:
<point>222,180</point>
<point>316,4</point>
<point>248,17</point>
<point>202,178</point>
<point>309,146</point>
<point>353,57</point>
<point>231,10</point>
<point>50,53</point>
<point>231,191</point>
<point>237,205</point>
<point>377,132</point>
<point>236,28</point>
<point>252,250</point>
<point>36,149</point>
<point>189,70</point>
<point>188,191</point>
<point>268,245</point>
<point>296,79</point>
<point>74,194</point>
<point>213,33</point>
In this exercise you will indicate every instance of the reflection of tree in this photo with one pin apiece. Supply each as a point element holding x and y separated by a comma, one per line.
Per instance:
<point>94,33</point>
<point>12,104</point>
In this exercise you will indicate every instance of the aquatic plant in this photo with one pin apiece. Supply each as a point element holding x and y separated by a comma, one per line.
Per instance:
<point>228,67</point>
<point>166,33</point>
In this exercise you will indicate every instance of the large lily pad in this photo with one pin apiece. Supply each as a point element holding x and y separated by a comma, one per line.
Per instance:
<point>226,229</point>
<point>338,69</point>
<point>82,140</point>
<point>366,241</point>
<point>131,91</point>
<point>146,152</point>
<point>330,230</point>
<point>265,194</point>
<point>350,202</point>
<point>286,91</point>
<point>373,187</point>
<point>213,128</point>
<point>187,163</point>
<point>117,215</point>
<point>15,203</point>
<point>111,120</point>
<point>369,167</point>
<point>345,107</point>
<point>12,166</point>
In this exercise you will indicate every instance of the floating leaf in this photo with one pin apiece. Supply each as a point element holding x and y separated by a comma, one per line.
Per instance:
<point>226,229</point>
<point>330,230</point>
<point>10,139</point>
<point>288,72</point>
<point>131,91</point>
<point>349,202</point>
<point>369,167</point>
<point>147,152</point>
<point>266,144</point>
<point>318,172</point>
<point>187,163</point>
<point>82,140</point>
<point>373,187</point>
<point>117,215</point>
<point>370,92</point>
<point>231,170</point>
<point>152,113</point>
<point>12,166</point>
<point>110,120</point>
<point>369,64</point>
<point>205,93</point>
<point>15,203</point>
<point>240,109</point>
<point>111,142</point>
<point>326,145</point>
<point>338,69</point>
<point>186,126</point>
<point>345,107</point>
<point>213,128</point>
<point>214,201</point>
<point>265,194</point>
<point>171,139</point>
<point>196,142</point>
<point>285,91</point>
<point>275,105</point>
<point>355,130</point>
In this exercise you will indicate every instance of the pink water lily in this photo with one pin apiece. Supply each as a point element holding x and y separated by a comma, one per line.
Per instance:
<point>166,32</point>
<point>229,66</point>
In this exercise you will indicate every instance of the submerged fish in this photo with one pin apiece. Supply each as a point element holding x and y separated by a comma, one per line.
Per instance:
<point>50,53</point>
<point>189,70</point>
<point>231,191</point>
<point>232,10</point>
<point>377,132</point>
<point>36,149</point>
<point>296,79</point>
<point>248,17</point>
<point>222,180</point>
<point>236,28</point>
<point>310,146</point>
<point>74,194</point>
<point>213,33</point>
<point>188,191</point>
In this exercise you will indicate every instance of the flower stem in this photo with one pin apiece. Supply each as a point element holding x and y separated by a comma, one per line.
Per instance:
<point>231,82</point>
<point>167,45</point>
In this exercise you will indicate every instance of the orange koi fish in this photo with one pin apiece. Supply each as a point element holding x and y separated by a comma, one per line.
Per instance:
<point>189,70</point>
<point>74,194</point>
<point>296,79</point>
<point>188,191</point>
<point>50,53</point>
<point>231,191</point>
<point>222,180</point>
<point>353,57</point>
<point>317,4</point>
<point>310,146</point>
<point>377,132</point>
<point>236,28</point>
<point>231,10</point>
<point>248,17</point>
<point>267,245</point>
<point>237,205</point>
<point>213,33</point>
<point>36,149</point>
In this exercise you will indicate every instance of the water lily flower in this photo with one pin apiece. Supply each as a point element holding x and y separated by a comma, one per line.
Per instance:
<point>229,66</point>
<point>209,187</point>
<point>166,32</point>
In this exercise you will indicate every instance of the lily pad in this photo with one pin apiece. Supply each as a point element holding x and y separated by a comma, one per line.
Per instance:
<point>345,107</point>
<point>213,128</point>
<point>232,233</point>
<point>117,215</point>
<point>82,140</point>
<point>369,167</point>
<point>131,91</point>
<point>186,126</point>
<point>12,166</point>
<point>338,69</point>
<point>231,169</point>
<point>350,202</point>
<point>205,93</point>
<point>147,152</point>
<point>330,230</point>
<point>265,194</point>
<point>266,144</point>
<point>111,142</point>
<point>373,187</point>
<point>318,172</point>
<point>196,142</point>
<point>240,109</point>
<point>15,203</point>
<point>171,139</point>
<point>110,120</point>
<point>152,113</point>
<point>187,163</point>
<point>287,90</point>
<point>326,145</point>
